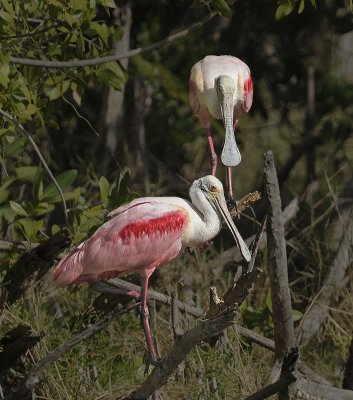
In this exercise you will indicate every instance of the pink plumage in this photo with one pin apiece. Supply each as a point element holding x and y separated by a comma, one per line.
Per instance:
<point>146,234</point>
<point>221,87</point>
<point>139,238</point>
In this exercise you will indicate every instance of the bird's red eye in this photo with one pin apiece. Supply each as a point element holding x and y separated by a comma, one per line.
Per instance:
<point>213,188</point>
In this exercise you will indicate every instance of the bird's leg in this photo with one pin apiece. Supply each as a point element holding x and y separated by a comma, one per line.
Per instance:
<point>155,360</point>
<point>230,198</point>
<point>213,161</point>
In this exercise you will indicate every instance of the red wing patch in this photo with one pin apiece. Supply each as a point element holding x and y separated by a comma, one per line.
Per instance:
<point>173,221</point>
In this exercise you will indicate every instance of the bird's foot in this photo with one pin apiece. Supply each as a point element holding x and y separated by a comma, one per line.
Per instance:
<point>232,204</point>
<point>155,362</point>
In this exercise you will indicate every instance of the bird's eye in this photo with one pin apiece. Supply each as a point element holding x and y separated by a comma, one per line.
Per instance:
<point>213,188</point>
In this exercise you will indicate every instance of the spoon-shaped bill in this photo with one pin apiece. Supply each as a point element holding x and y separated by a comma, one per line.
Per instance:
<point>223,210</point>
<point>230,154</point>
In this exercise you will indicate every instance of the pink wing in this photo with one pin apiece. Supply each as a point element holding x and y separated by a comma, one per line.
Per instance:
<point>248,94</point>
<point>141,236</point>
<point>193,97</point>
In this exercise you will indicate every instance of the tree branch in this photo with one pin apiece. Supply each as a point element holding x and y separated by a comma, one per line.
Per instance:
<point>277,260</point>
<point>114,57</point>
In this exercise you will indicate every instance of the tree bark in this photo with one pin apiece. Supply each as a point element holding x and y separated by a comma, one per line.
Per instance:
<point>277,262</point>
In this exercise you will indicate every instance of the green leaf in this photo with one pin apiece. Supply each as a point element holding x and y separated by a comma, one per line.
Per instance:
<point>4,194</point>
<point>30,227</point>
<point>27,174</point>
<point>222,7</point>
<point>8,7</point>
<point>297,315</point>
<point>197,4</point>
<point>104,190</point>
<point>283,10</point>
<point>112,75</point>
<point>56,91</point>
<point>4,74</point>
<point>301,6</point>
<point>43,208</point>
<point>19,210</point>
<point>64,180</point>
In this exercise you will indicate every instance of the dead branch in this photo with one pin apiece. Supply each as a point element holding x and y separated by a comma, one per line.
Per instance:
<point>288,376</point>
<point>204,330</point>
<point>305,389</point>
<point>335,281</point>
<point>198,312</point>
<point>277,260</point>
<point>244,203</point>
<point>33,265</point>
<point>33,377</point>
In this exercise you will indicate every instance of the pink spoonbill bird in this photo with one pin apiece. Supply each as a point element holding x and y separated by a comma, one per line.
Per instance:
<point>146,234</point>
<point>220,87</point>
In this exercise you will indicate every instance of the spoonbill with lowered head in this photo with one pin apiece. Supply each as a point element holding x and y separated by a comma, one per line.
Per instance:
<point>221,87</point>
<point>146,234</point>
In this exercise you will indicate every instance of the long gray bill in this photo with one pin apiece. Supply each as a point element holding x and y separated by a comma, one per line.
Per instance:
<point>222,207</point>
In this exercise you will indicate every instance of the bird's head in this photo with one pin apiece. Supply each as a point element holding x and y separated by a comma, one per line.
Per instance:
<point>209,188</point>
<point>224,86</point>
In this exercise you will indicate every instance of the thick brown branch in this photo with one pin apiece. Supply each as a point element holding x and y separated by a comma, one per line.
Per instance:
<point>114,57</point>
<point>179,351</point>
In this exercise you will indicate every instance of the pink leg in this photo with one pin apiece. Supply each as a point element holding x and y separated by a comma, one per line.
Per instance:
<point>145,320</point>
<point>229,182</point>
<point>212,151</point>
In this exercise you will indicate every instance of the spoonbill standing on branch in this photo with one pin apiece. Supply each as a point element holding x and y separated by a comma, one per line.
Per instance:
<point>220,87</point>
<point>146,234</point>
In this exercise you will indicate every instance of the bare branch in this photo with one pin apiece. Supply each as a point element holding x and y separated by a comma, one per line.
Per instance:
<point>114,57</point>
<point>277,259</point>
<point>45,165</point>
<point>33,377</point>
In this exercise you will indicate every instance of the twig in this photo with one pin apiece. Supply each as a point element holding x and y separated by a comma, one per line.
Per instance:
<point>45,165</point>
<point>277,260</point>
<point>114,57</point>
<point>244,203</point>
<point>33,377</point>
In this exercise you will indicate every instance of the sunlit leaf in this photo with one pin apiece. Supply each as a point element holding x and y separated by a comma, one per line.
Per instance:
<point>19,210</point>
<point>104,190</point>
<point>64,180</point>
<point>222,7</point>
<point>112,75</point>
<point>283,10</point>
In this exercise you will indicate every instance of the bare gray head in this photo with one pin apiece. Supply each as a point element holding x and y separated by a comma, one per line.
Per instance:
<point>225,86</point>
<point>210,190</point>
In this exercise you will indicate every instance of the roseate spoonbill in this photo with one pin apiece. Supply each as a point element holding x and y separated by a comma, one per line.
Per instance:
<point>148,233</point>
<point>220,87</point>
